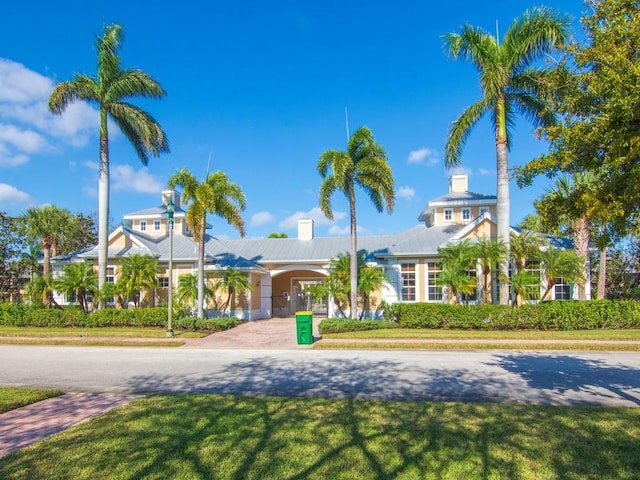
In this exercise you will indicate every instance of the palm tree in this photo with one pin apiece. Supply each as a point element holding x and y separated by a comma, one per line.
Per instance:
<point>46,225</point>
<point>364,164</point>
<point>187,291</point>
<point>216,195</point>
<point>233,281</point>
<point>138,272</point>
<point>277,235</point>
<point>78,279</point>
<point>509,87</point>
<point>31,259</point>
<point>40,291</point>
<point>558,264</point>
<point>490,252</point>
<point>457,260</point>
<point>109,90</point>
<point>370,279</point>
<point>525,246</point>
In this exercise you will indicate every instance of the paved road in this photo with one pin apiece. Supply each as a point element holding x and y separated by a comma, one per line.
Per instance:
<point>556,378</point>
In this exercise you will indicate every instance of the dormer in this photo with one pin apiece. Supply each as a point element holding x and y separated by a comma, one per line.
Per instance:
<point>459,206</point>
<point>153,221</point>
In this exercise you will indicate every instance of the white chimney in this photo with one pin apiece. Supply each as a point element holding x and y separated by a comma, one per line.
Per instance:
<point>173,194</point>
<point>459,183</point>
<point>305,229</point>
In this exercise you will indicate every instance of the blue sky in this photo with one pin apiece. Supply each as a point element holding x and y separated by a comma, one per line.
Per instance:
<point>260,88</point>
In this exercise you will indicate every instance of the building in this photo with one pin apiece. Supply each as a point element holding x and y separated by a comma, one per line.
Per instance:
<point>281,270</point>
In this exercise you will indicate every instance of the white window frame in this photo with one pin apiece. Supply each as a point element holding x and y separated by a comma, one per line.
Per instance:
<point>111,274</point>
<point>448,211</point>
<point>157,224</point>
<point>434,291</point>
<point>466,214</point>
<point>143,225</point>
<point>402,285</point>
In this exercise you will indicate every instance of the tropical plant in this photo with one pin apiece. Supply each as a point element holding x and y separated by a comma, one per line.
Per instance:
<point>277,235</point>
<point>78,279</point>
<point>510,86</point>
<point>47,225</point>
<point>111,292</point>
<point>30,259</point>
<point>526,245</point>
<point>490,252</point>
<point>232,281</point>
<point>558,264</point>
<point>457,260</point>
<point>370,279</point>
<point>40,290</point>
<point>525,286</point>
<point>187,290</point>
<point>363,164</point>
<point>12,242</point>
<point>137,273</point>
<point>109,90</point>
<point>217,195</point>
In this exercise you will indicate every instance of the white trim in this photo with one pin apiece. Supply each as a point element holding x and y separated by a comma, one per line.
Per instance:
<point>458,203</point>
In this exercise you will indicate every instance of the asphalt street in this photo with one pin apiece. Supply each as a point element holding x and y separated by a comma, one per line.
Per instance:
<point>556,378</point>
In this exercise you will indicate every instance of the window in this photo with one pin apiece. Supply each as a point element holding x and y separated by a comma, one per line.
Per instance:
<point>561,290</point>
<point>163,282</point>
<point>483,210</point>
<point>466,214</point>
<point>533,289</point>
<point>156,225</point>
<point>111,274</point>
<point>408,278</point>
<point>448,214</point>
<point>434,291</point>
<point>143,225</point>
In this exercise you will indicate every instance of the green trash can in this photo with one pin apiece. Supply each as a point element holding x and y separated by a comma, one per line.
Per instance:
<point>304,327</point>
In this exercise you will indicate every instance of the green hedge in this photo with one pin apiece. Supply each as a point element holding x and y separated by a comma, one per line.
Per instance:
<point>338,325</point>
<point>70,316</point>
<point>565,315</point>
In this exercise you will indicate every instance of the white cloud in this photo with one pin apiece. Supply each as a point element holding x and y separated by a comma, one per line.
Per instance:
<point>407,193</point>
<point>92,165</point>
<point>126,178</point>
<point>341,231</point>
<point>484,172</point>
<point>90,191</point>
<point>315,213</point>
<point>27,126</point>
<point>10,194</point>
<point>261,218</point>
<point>423,155</point>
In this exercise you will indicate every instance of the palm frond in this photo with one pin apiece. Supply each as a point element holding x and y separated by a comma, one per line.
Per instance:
<point>460,130</point>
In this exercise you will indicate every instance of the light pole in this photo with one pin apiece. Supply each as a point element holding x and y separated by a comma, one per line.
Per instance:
<point>170,209</point>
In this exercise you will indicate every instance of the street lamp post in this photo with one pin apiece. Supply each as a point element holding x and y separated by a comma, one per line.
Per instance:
<point>170,209</point>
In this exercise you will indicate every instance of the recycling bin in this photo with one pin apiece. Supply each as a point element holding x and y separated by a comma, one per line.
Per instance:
<point>304,327</point>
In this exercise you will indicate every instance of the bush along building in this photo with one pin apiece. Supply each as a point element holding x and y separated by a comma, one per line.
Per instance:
<point>283,272</point>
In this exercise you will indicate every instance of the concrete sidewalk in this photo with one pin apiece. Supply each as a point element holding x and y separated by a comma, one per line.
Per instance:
<point>26,425</point>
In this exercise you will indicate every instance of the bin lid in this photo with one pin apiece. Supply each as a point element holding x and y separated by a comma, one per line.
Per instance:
<point>304,312</point>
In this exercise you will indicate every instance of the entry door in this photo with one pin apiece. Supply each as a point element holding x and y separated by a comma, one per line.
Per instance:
<point>302,299</point>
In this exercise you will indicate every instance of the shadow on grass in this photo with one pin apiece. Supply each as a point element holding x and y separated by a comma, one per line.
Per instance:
<point>229,437</point>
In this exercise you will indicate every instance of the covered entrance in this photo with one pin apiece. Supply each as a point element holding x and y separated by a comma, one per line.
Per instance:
<point>293,291</point>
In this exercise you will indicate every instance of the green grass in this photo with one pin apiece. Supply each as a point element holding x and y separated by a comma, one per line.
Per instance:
<point>408,333</point>
<point>13,397</point>
<point>462,345</point>
<point>89,343</point>
<point>125,332</point>
<point>225,437</point>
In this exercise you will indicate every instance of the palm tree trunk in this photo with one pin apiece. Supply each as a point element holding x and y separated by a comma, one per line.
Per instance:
<point>354,255</point>
<point>581,246</point>
<point>103,202</point>
<point>46,263</point>
<point>201,270</point>
<point>503,207</point>
<point>602,275</point>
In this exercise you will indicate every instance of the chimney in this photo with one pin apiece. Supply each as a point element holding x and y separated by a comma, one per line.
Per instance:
<point>305,229</point>
<point>459,183</point>
<point>173,194</point>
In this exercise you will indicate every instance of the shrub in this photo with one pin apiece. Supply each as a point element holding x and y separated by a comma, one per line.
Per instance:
<point>555,315</point>
<point>207,324</point>
<point>339,325</point>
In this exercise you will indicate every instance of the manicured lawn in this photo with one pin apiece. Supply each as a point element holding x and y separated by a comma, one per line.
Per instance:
<point>225,437</point>
<point>12,397</point>
<point>410,333</point>
<point>462,345</point>
<point>128,332</point>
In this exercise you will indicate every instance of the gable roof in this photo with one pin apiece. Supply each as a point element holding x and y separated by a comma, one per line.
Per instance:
<point>456,198</point>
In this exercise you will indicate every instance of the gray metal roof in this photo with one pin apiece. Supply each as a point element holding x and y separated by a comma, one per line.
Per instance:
<point>454,197</point>
<point>153,212</point>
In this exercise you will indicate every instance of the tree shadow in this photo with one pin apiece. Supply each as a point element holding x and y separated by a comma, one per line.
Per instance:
<point>579,381</point>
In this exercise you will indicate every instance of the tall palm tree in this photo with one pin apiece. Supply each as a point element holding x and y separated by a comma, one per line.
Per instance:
<point>370,279</point>
<point>490,252</point>
<point>46,225</point>
<point>138,272</point>
<point>363,164</point>
<point>217,195</point>
<point>187,291</point>
<point>509,87</point>
<point>233,281</point>
<point>109,90</point>
<point>78,279</point>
